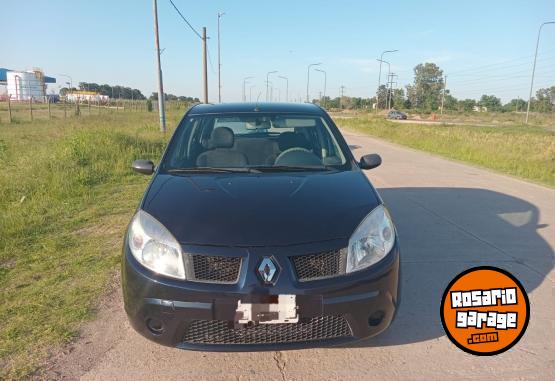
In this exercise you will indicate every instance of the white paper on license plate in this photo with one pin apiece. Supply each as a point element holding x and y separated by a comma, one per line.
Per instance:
<point>284,311</point>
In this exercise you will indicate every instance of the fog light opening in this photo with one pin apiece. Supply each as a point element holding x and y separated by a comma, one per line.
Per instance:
<point>155,326</point>
<point>376,318</point>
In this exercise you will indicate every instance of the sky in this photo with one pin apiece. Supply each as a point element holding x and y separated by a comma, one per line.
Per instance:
<point>484,47</point>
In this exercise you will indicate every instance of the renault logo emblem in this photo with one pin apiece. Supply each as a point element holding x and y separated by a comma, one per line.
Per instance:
<point>268,270</point>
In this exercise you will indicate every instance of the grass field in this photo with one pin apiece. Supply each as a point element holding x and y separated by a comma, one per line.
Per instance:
<point>67,195</point>
<point>523,151</point>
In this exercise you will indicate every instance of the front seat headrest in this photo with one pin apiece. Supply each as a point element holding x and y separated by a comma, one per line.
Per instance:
<point>222,137</point>
<point>291,139</point>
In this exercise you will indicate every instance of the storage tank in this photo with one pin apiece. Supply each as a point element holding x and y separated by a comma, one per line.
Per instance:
<point>25,84</point>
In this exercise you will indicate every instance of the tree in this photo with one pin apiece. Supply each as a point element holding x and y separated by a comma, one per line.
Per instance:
<point>544,99</point>
<point>112,91</point>
<point>383,93</point>
<point>466,105</point>
<point>425,92</point>
<point>450,102</point>
<point>491,102</point>
<point>398,99</point>
<point>515,105</point>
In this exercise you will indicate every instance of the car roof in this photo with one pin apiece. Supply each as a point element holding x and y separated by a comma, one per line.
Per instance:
<point>209,108</point>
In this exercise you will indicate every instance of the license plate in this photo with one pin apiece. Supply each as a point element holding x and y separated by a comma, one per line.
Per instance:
<point>283,310</point>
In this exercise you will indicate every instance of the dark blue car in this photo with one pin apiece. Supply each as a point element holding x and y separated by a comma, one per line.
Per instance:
<point>259,231</point>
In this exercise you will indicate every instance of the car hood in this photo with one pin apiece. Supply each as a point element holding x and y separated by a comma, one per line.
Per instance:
<point>269,209</point>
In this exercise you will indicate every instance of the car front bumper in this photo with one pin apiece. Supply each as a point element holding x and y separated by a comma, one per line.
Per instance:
<point>367,300</point>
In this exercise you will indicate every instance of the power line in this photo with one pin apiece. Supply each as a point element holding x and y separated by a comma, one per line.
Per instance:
<point>498,63</point>
<point>184,19</point>
<point>210,61</point>
<point>495,69</point>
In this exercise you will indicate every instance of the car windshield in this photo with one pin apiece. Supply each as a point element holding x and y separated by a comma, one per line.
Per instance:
<point>253,141</point>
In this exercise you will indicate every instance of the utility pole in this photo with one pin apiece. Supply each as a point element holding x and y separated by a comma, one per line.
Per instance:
<point>342,88</point>
<point>219,61</point>
<point>534,67</point>
<point>204,65</point>
<point>443,95</point>
<point>389,93</point>
<point>161,110</point>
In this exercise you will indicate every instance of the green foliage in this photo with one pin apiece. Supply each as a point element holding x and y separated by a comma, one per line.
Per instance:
<point>149,105</point>
<point>491,102</point>
<point>544,100</point>
<point>113,91</point>
<point>515,105</point>
<point>171,97</point>
<point>466,105</point>
<point>450,102</point>
<point>425,92</point>
<point>382,95</point>
<point>398,98</point>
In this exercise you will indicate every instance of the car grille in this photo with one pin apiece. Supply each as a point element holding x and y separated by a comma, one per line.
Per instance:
<point>320,265</point>
<point>223,332</point>
<point>215,269</point>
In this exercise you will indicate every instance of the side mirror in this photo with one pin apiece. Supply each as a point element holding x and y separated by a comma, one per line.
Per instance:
<point>146,167</point>
<point>370,161</point>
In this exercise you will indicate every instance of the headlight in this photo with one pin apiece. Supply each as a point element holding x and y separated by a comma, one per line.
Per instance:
<point>155,247</point>
<point>371,241</point>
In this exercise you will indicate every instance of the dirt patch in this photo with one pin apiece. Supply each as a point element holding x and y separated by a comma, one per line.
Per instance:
<point>94,340</point>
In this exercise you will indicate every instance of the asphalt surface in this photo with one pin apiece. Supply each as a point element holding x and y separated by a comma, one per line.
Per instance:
<point>450,217</point>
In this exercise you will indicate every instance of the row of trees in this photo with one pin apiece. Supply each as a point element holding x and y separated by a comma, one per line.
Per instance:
<point>117,91</point>
<point>171,97</point>
<point>426,92</point>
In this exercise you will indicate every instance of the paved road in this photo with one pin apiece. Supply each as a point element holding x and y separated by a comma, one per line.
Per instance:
<point>450,217</point>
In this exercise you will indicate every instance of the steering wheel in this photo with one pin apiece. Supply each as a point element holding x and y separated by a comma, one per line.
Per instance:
<point>297,156</point>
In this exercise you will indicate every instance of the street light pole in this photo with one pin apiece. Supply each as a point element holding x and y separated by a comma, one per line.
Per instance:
<point>286,87</point>
<point>380,76</point>
<point>325,83</point>
<point>250,92</point>
<point>219,61</point>
<point>308,79</point>
<point>267,81</point>
<point>534,68</point>
<point>244,82</point>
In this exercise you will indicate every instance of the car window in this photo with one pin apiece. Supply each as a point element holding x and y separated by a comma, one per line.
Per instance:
<point>254,140</point>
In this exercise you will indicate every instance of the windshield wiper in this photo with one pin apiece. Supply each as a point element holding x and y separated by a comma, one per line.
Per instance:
<point>289,168</point>
<point>212,170</point>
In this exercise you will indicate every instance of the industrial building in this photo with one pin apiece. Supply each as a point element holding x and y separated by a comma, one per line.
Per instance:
<point>24,85</point>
